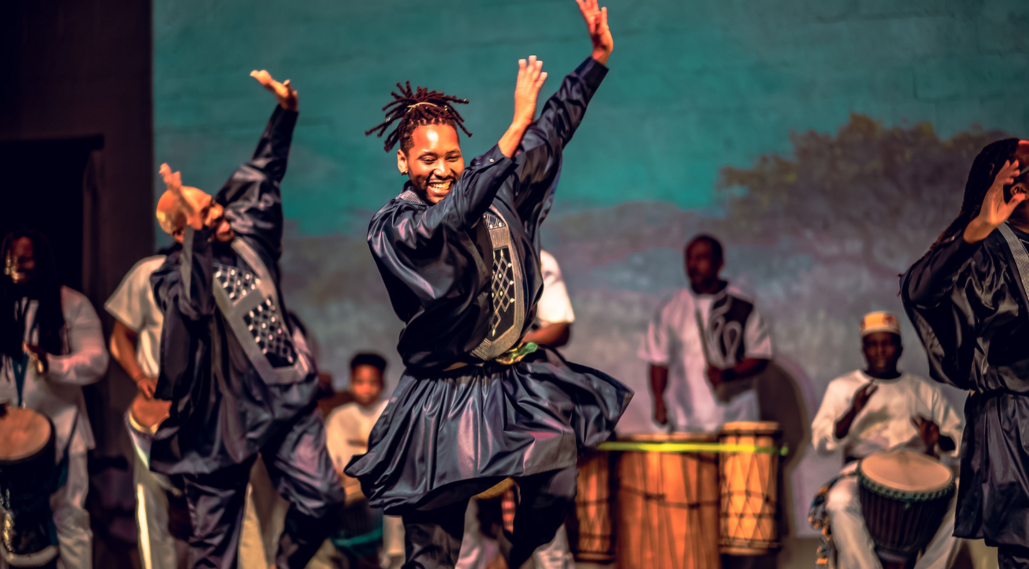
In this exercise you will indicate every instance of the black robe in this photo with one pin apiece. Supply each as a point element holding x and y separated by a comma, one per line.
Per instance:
<point>223,412</point>
<point>969,306</point>
<point>446,435</point>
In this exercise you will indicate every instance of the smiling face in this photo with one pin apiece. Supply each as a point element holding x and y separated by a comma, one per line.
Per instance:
<point>433,162</point>
<point>211,212</point>
<point>366,384</point>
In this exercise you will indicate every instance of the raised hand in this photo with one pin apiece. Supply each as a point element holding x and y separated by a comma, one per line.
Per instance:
<point>862,396</point>
<point>600,33</point>
<point>283,91</point>
<point>530,79</point>
<point>995,209</point>
<point>190,210</point>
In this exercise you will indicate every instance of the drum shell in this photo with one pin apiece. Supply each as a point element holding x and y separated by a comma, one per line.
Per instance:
<point>667,507</point>
<point>901,523</point>
<point>749,490</point>
<point>591,528</point>
<point>26,483</point>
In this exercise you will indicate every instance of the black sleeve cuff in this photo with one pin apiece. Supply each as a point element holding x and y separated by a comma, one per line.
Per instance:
<point>592,72</point>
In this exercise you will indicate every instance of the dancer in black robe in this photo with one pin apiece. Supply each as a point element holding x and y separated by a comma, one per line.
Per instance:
<point>458,251</point>
<point>967,299</point>
<point>241,380</point>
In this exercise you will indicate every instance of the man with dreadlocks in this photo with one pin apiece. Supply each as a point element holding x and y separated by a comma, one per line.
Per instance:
<point>52,346</point>
<point>458,251</point>
<point>967,299</point>
<point>238,373</point>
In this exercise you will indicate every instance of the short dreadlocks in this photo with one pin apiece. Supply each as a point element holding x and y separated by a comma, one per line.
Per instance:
<point>416,108</point>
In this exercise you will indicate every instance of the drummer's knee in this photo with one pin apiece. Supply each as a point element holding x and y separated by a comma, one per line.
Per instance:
<point>843,497</point>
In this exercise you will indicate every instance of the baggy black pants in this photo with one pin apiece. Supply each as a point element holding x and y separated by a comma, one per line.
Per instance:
<point>433,537</point>
<point>301,470</point>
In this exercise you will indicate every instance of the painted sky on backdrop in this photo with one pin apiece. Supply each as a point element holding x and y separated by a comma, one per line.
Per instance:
<point>694,85</point>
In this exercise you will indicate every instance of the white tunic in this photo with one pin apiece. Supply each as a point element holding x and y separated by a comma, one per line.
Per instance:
<point>554,307</point>
<point>133,304</point>
<point>58,393</point>
<point>885,422</point>
<point>347,430</point>
<point>734,331</point>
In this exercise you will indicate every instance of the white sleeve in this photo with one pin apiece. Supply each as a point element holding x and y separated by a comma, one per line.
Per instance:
<point>656,345</point>
<point>554,306</point>
<point>87,360</point>
<point>756,339</point>
<point>823,427</point>
<point>130,302</point>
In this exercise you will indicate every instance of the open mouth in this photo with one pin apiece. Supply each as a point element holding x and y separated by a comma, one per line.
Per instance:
<point>440,187</point>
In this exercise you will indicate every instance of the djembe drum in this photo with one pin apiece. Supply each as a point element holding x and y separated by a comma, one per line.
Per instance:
<point>590,529</point>
<point>749,491</point>
<point>667,503</point>
<point>904,496</point>
<point>27,464</point>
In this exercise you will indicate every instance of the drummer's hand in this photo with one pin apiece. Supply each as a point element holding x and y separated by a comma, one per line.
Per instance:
<point>38,356</point>
<point>147,386</point>
<point>862,396</point>
<point>660,412</point>
<point>930,433</point>
<point>714,376</point>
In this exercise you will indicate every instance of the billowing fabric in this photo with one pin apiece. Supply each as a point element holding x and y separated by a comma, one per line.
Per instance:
<point>485,421</point>
<point>969,307</point>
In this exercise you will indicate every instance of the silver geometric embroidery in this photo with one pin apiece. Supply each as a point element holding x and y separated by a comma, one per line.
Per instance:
<point>269,332</point>
<point>237,282</point>
<point>502,289</point>
<point>493,221</point>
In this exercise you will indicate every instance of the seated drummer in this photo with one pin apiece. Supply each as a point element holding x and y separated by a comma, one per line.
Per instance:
<point>878,410</point>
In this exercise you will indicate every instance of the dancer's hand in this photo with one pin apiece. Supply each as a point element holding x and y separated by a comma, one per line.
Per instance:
<point>191,211</point>
<point>995,210</point>
<point>283,91</point>
<point>530,79</point>
<point>600,33</point>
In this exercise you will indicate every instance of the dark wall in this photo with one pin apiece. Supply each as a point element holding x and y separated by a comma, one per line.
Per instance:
<point>82,68</point>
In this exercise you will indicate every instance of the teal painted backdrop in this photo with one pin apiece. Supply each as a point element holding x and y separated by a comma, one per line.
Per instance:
<point>695,128</point>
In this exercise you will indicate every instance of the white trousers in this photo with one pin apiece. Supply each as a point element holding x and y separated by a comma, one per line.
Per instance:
<point>854,546</point>
<point>156,545</point>
<point>477,549</point>
<point>74,538</point>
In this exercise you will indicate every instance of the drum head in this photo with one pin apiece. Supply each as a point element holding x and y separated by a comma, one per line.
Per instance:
<point>751,427</point>
<point>907,471</point>
<point>23,433</point>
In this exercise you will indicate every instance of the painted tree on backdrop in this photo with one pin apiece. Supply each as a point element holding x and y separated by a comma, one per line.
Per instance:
<point>872,194</point>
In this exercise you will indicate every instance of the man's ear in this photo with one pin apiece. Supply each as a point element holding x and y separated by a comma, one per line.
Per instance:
<point>402,162</point>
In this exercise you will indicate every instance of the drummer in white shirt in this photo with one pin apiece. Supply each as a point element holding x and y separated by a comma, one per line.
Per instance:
<point>703,346</point>
<point>879,410</point>
<point>51,345</point>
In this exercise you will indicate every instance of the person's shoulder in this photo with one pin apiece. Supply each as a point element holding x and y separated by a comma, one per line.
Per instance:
<point>73,301</point>
<point>72,295</point>
<point>740,293</point>
<point>146,267</point>
<point>922,383</point>
<point>851,379</point>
